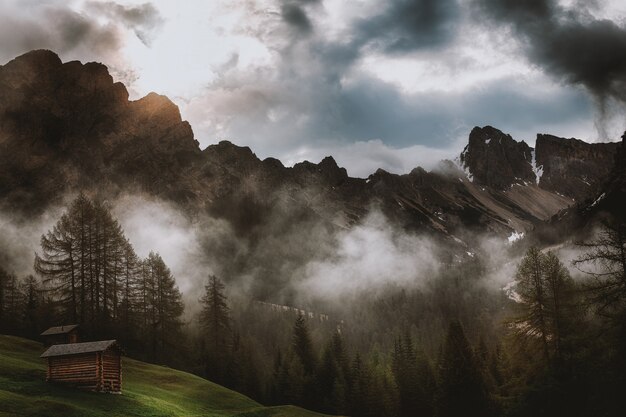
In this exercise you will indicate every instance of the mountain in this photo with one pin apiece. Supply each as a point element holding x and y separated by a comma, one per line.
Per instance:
<point>66,127</point>
<point>572,167</point>
<point>606,201</point>
<point>148,390</point>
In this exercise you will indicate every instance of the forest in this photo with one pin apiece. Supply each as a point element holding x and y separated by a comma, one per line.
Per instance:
<point>553,344</point>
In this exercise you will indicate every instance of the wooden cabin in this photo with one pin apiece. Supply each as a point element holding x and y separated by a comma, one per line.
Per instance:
<point>60,335</point>
<point>92,366</point>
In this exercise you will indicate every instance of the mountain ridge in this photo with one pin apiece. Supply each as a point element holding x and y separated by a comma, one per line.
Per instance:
<point>68,127</point>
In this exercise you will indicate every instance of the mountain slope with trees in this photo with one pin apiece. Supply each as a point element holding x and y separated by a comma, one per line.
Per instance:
<point>449,341</point>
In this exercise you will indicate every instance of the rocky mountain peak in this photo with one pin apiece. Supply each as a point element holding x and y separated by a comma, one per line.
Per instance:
<point>66,126</point>
<point>327,169</point>
<point>495,159</point>
<point>25,68</point>
<point>573,167</point>
<point>331,171</point>
<point>70,127</point>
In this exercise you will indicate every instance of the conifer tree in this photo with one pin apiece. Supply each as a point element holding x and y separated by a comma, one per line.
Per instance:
<point>462,390</point>
<point>607,284</point>
<point>217,336</point>
<point>164,307</point>
<point>546,301</point>
<point>302,345</point>
<point>94,278</point>
<point>32,320</point>
<point>214,316</point>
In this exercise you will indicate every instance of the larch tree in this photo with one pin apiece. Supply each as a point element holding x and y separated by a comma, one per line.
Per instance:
<point>92,274</point>
<point>561,307</point>
<point>547,303</point>
<point>607,284</point>
<point>533,322</point>
<point>58,265</point>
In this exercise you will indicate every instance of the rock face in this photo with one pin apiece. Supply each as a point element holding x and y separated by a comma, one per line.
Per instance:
<point>496,160</point>
<point>67,127</point>
<point>569,167</point>
<point>573,167</point>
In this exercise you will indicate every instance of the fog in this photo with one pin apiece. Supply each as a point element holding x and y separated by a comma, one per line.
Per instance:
<point>298,264</point>
<point>301,262</point>
<point>369,257</point>
<point>19,239</point>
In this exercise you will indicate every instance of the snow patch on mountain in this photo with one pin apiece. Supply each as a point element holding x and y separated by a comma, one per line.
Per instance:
<point>598,199</point>
<point>538,170</point>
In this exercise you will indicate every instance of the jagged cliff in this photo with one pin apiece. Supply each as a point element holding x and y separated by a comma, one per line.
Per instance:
<point>66,127</point>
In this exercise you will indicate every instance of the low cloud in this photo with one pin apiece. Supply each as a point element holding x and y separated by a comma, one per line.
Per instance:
<point>371,257</point>
<point>154,225</point>
<point>288,259</point>
<point>20,238</point>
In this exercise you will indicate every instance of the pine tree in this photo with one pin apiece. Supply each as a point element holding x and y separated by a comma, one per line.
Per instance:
<point>214,316</point>
<point>217,337</point>
<point>462,390</point>
<point>414,378</point>
<point>13,305</point>
<point>4,276</point>
<point>32,320</point>
<point>328,381</point>
<point>163,307</point>
<point>302,345</point>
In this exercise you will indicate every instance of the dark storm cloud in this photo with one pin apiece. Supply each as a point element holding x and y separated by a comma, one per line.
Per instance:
<point>56,28</point>
<point>409,25</point>
<point>570,44</point>
<point>143,19</point>
<point>296,17</point>
<point>317,94</point>
<point>400,26</point>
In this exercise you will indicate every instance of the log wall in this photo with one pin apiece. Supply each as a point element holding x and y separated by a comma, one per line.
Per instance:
<point>100,371</point>
<point>78,370</point>
<point>111,371</point>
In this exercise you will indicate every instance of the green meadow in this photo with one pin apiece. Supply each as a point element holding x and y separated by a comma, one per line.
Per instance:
<point>148,390</point>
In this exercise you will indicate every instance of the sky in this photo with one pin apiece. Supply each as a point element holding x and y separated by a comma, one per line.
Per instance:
<point>391,85</point>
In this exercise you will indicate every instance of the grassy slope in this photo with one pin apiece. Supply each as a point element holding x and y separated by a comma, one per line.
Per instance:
<point>148,390</point>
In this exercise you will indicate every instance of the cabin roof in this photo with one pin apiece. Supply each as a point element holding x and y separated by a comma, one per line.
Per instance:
<point>59,329</point>
<point>78,348</point>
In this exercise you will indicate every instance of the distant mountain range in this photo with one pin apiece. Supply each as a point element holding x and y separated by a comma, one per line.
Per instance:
<point>66,127</point>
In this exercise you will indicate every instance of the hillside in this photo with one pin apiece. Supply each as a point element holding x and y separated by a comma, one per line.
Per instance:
<point>149,390</point>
